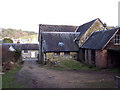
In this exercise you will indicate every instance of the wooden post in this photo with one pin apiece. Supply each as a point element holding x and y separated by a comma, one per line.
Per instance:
<point>117,82</point>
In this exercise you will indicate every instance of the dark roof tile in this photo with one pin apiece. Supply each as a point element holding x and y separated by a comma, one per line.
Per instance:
<point>59,41</point>
<point>99,39</point>
<point>21,46</point>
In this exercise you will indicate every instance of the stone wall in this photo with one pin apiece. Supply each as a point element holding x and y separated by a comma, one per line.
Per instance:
<point>97,26</point>
<point>53,57</point>
<point>81,55</point>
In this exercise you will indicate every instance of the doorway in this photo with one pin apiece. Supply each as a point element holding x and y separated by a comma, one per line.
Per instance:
<point>32,54</point>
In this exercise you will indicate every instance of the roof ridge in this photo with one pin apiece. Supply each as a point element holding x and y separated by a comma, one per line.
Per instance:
<point>56,25</point>
<point>61,32</point>
<point>89,21</point>
<point>106,30</point>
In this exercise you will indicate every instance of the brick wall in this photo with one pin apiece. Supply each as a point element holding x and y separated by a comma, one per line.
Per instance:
<point>101,58</point>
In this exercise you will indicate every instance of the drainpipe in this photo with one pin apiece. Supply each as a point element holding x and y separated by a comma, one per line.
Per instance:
<point>40,45</point>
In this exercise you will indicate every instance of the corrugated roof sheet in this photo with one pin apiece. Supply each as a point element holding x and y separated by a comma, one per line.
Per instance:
<point>59,42</point>
<point>30,47</point>
<point>98,39</point>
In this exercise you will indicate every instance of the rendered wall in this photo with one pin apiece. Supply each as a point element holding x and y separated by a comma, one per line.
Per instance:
<point>28,55</point>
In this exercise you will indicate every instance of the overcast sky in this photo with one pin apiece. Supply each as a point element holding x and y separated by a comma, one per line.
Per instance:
<point>28,14</point>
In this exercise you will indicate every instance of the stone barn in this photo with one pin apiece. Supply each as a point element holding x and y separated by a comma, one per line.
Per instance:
<point>58,45</point>
<point>52,28</point>
<point>102,49</point>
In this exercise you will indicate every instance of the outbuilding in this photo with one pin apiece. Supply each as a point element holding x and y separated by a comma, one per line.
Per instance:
<point>102,49</point>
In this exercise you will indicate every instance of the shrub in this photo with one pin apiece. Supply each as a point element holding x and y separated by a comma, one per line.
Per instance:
<point>17,55</point>
<point>7,40</point>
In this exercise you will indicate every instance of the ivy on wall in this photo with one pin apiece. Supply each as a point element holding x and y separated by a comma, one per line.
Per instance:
<point>17,55</point>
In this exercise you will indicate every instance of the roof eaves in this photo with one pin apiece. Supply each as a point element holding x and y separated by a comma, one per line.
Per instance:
<point>76,29</point>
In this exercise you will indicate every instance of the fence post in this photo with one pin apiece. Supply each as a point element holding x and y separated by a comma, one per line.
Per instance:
<point>117,82</point>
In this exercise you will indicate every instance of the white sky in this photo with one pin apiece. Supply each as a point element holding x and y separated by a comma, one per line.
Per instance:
<point>28,14</point>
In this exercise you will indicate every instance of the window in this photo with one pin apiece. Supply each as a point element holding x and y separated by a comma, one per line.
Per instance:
<point>60,44</point>
<point>117,39</point>
<point>25,51</point>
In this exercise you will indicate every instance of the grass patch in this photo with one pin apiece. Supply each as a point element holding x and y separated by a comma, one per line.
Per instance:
<point>76,65</point>
<point>71,65</point>
<point>8,79</point>
<point>114,70</point>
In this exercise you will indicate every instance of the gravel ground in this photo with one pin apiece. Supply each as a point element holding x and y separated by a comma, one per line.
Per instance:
<point>34,75</point>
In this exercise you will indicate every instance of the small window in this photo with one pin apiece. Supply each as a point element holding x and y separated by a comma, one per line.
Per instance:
<point>117,39</point>
<point>66,53</point>
<point>25,51</point>
<point>57,54</point>
<point>60,44</point>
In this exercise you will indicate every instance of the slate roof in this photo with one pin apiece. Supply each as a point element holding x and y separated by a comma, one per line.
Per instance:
<point>30,47</point>
<point>15,46</point>
<point>56,28</point>
<point>83,28</point>
<point>21,46</point>
<point>59,41</point>
<point>99,39</point>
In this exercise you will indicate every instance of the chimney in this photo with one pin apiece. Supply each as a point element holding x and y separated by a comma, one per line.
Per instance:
<point>105,26</point>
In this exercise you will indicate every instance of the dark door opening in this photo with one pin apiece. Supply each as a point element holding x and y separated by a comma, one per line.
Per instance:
<point>93,56</point>
<point>113,58</point>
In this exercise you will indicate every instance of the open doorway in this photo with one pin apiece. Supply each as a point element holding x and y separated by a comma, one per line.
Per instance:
<point>113,59</point>
<point>32,54</point>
